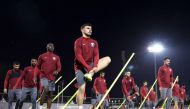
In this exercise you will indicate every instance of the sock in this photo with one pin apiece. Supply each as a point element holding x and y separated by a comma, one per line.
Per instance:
<point>41,107</point>
<point>80,107</point>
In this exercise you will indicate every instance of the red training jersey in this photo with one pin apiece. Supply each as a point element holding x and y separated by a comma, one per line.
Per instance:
<point>165,76</point>
<point>143,91</point>
<point>86,52</point>
<point>100,85</point>
<point>152,96</point>
<point>176,90</point>
<point>128,84</point>
<point>48,63</point>
<point>12,79</point>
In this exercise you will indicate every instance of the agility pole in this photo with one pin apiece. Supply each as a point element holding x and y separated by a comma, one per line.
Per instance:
<point>55,83</point>
<point>189,106</point>
<point>121,104</point>
<point>63,90</point>
<point>171,90</point>
<point>147,94</point>
<point>120,73</point>
<point>70,99</point>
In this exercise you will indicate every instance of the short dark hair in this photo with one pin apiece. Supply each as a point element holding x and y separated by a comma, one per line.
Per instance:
<point>167,58</point>
<point>86,24</point>
<point>50,44</point>
<point>145,82</point>
<point>16,63</point>
<point>102,72</point>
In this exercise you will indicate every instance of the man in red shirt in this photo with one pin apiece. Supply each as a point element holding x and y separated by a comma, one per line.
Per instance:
<point>182,95</point>
<point>12,86</point>
<point>128,85</point>
<point>176,93</point>
<point>87,60</point>
<point>49,65</point>
<point>29,86</point>
<point>152,99</point>
<point>100,88</point>
<point>165,79</point>
<point>144,92</point>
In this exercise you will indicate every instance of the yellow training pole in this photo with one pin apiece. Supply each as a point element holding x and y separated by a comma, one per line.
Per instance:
<point>148,94</point>
<point>58,79</point>
<point>171,89</point>
<point>70,99</point>
<point>121,104</point>
<point>189,106</point>
<point>120,73</point>
<point>55,83</point>
<point>63,90</point>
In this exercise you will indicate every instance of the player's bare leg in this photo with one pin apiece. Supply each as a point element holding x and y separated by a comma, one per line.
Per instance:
<point>49,100</point>
<point>80,95</point>
<point>102,64</point>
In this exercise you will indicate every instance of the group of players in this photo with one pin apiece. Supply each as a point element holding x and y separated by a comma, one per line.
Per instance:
<point>86,64</point>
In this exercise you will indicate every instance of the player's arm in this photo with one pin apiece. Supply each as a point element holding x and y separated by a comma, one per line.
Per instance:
<point>6,81</point>
<point>58,64</point>
<point>78,54</point>
<point>96,54</point>
<point>95,85</point>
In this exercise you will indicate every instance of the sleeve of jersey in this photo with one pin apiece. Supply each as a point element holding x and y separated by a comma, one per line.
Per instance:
<point>78,54</point>
<point>6,82</point>
<point>94,85</point>
<point>134,85</point>
<point>141,92</point>
<point>126,93</point>
<point>158,77</point>
<point>58,65</point>
<point>96,54</point>
<point>171,77</point>
<point>36,72</point>
<point>20,80</point>
<point>106,86</point>
<point>39,62</point>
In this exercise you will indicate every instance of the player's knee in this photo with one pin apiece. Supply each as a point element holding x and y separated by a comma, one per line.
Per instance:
<point>108,59</point>
<point>46,90</point>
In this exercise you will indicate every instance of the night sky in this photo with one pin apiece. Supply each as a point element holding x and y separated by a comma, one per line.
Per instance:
<point>26,26</point>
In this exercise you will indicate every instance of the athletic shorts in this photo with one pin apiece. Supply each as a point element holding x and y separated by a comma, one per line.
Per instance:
<point>80,75</point>
<point>49,84</point>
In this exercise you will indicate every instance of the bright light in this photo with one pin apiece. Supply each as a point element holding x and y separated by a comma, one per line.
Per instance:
<point>155,48</point>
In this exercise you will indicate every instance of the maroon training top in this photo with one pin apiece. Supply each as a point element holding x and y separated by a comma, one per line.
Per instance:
<point>86,52</point>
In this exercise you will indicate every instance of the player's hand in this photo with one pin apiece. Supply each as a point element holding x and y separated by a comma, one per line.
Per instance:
<point>5,91</point>
<point>129,98</point>
<point>35,80</point>
<point>55,72</point>
<point>84,98</point>
<point>95,69</point>
<point>97,93</point>
<point>137,93</point>
<point>91,71</point>
<point>160,88</point>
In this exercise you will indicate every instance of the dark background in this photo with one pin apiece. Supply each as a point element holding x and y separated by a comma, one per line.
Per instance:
<point>26,26</point>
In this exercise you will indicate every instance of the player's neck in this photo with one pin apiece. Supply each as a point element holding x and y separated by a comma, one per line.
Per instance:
<point>49,51</point>
<point>166,65</point>
<point>85,36</point>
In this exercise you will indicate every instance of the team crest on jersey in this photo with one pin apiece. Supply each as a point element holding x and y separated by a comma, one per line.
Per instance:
<point>54,58</point>
<point>92,44</point>
<point>170,70</point>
